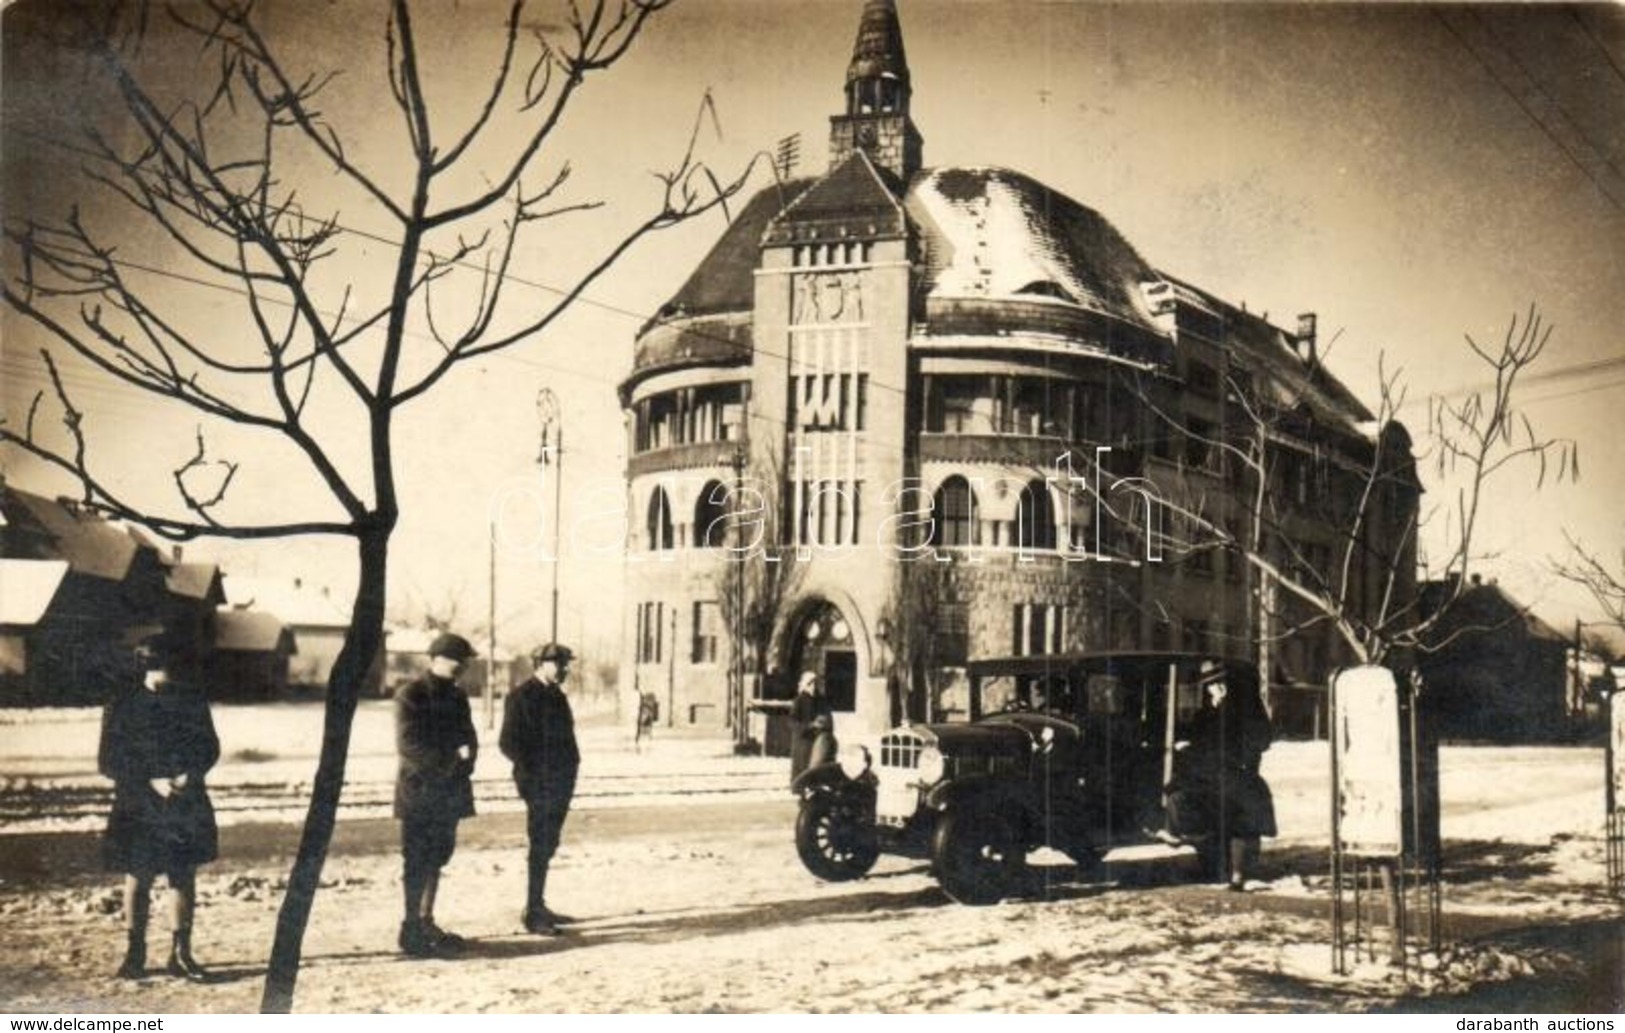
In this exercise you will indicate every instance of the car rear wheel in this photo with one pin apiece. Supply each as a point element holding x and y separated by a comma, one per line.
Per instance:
<point>979,855</point>
<point>836,839</point>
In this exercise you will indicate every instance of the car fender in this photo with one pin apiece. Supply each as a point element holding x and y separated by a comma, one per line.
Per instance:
<point>829,778</point>
<point>982,790</point>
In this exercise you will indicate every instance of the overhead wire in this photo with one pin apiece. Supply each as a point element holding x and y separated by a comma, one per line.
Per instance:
<point>1529,113</point>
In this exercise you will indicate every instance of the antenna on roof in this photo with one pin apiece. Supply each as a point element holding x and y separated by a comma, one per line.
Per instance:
<point>786,154</point>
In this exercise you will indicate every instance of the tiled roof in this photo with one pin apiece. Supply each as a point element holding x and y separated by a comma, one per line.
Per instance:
<point>854,200</point>
<point>724,281</point>
<point>993,233</point>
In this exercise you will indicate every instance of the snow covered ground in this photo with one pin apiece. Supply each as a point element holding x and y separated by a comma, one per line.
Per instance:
<point>701,904</point>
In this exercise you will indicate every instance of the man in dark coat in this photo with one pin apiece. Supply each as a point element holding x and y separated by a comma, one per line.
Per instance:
<point>1218,771</point>
<point>434,736</point>
<point>157,743</point>
<point>539,736</point>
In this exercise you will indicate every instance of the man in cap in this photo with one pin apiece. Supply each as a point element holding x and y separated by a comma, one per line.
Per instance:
<point>434,735</point>
<point>539,736</point>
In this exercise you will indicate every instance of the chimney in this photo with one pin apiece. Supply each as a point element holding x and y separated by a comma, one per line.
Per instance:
<point>1305,340</point>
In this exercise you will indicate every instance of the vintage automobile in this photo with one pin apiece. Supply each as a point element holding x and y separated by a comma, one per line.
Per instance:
<point>1072,752</point>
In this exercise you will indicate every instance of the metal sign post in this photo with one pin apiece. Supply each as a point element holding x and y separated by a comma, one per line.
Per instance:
<point>1385,817</point>
<point>1614,792</point>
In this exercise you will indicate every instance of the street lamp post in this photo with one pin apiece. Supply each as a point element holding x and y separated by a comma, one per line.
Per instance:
<point>547,408</point>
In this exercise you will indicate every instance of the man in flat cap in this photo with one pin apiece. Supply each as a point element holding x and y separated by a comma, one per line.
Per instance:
<point>539,736</point>
<point>434,735</point>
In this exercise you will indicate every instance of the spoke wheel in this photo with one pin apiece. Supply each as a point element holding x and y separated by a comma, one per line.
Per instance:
<point>836,840</point>
<point>978,854</point>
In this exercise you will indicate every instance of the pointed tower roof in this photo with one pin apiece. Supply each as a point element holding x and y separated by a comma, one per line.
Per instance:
<point>878,52</point>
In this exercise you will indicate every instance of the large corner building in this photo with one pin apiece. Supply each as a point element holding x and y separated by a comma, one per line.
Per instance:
<point>943,401</point>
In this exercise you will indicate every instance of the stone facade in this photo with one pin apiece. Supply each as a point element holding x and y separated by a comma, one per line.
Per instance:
<point>963,413</point>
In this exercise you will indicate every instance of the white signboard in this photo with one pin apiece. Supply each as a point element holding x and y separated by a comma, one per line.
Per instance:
<point>1369,796</point>
<point>1616,733</point>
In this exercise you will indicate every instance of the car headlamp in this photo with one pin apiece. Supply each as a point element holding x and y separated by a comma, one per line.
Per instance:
<point>932,765</point>
<point>853,759</point>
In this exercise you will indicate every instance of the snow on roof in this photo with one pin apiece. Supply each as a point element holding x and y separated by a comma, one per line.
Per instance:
<point>192,580</point>
<point>91,544</point>
<point>297,604</point>
<point>249,631</point>
<point>995,233</point>
<point>27,588</point>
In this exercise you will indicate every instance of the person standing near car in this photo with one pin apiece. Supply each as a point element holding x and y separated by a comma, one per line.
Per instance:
<point>437,746</point>
<point>1221,767</point>
<point>157,744</point>
<point>539,737</point>
<point>810,720</point>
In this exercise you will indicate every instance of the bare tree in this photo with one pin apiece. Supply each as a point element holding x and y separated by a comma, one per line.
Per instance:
<point>925,634</point>
<point>1589,570</point>
<point>760,579</point>
<point>242,180</point>
<point>1362,494</point>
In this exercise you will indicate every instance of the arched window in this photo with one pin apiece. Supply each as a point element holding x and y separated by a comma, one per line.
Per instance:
<point>661,535</point>
<point>953,514</point>
<point>1035,518</point>
<point>711,517</point>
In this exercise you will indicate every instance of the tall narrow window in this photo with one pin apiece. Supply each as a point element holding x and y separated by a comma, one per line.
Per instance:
<point>954,514</point>
<point>661,533</point>
<point>706,621</point>
<point>711,517</point>
<point>1035,518</point>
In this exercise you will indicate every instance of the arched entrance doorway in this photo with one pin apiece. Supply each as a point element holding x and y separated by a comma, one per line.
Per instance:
<point>821,641</point>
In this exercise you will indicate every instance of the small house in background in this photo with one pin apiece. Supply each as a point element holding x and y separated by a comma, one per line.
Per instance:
<point>69,622</point>
<point>250,654</point>
<point>317,621</point>
<point>27,588</point>
<point>192,593</point>
<point>1496,672</point>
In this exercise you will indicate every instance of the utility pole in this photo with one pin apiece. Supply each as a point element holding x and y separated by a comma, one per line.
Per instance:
<point>547,408</point>
<point>491,638</point>
<point>736,676</point>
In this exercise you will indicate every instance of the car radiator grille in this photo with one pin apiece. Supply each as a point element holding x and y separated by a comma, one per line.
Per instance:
<point>900,750</point>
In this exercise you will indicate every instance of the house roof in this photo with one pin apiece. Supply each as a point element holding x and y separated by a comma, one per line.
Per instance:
<point>724,281</point>
<point>998,234</point>
<point>91,544</point>
<point>297,604</point>
<point>27,588</point>
<point>200,581</point>
<point>856,200</point>
<point>1486,604</point>
<point>250,631</point>
<point>986,233</point>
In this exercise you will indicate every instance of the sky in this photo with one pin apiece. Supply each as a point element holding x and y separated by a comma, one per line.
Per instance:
<point>1411,174</point>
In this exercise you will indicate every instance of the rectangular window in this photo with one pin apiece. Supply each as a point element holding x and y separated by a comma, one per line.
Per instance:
<point>707,619</point>
<point>828,401</point>
<point>1039,629</point>
<point>651,633</point>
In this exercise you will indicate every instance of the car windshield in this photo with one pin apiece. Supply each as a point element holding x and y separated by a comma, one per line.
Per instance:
<point>1044,694</point>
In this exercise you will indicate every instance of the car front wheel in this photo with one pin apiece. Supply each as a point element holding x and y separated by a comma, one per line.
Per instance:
<point>979,855</point>
<point>836,839</point>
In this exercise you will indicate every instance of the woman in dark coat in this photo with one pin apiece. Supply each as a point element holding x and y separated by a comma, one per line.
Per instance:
<point>157,744</point>
<point>812,727</point>
<point>1218,770</point>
